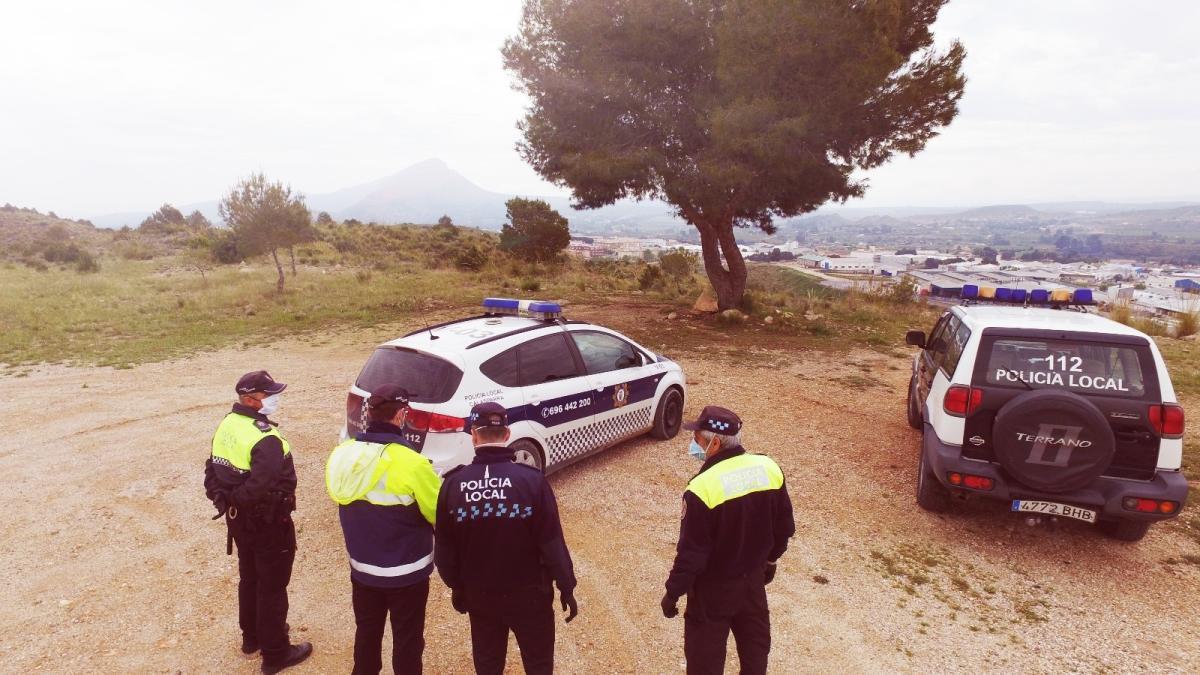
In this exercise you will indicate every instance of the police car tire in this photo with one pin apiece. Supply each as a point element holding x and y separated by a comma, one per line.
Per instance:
<point>528,453</point>
<point>914,413</point>
<point>668,419</point>
<point>1042,413</point>
<point>1124,530</point>
<point>931,494</point>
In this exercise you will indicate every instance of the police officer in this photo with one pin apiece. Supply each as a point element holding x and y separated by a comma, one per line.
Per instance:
<point>737,519</point>
<point>251,480</point>
<point>387,496</point>
<point>499,543</point>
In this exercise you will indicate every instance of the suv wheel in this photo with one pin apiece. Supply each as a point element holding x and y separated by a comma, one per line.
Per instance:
<point>914,413</point>
<point>931,494</point>
<point>1124,530</point>
<point>527,452</point>
<point>669,416</point>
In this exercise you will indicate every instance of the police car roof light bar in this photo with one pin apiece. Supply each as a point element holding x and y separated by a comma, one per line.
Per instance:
<point>1059,297</point>
<point>546,311</point>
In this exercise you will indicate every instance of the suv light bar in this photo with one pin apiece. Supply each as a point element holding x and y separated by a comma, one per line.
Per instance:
<point>538,309</point>
<point>1019,296</point>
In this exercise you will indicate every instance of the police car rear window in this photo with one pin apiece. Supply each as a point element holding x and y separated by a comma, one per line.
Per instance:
<point>427,378</point>
<point>1081,367</point>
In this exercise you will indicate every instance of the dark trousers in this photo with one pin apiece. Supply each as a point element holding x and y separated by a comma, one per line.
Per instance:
<point>713,610</point>
<point>371,608</point>
<point>265,568</point>
<point>528,613</point>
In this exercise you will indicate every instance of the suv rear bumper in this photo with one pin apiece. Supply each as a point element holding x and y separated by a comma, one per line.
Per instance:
<point>1104,494</point>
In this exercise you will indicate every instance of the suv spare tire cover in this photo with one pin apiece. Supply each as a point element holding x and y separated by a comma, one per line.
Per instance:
<point>1053,440</point>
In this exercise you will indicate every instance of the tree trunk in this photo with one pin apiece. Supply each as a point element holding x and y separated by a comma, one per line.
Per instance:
<point>278,268</point>
<point>292,253</point>
<point>729,279</point>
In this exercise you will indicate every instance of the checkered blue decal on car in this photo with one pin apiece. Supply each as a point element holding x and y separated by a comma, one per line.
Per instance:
<point>575,443</point>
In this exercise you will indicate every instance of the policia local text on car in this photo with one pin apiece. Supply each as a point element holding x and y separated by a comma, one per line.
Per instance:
<point>251,479</point>
<point>737,519</point>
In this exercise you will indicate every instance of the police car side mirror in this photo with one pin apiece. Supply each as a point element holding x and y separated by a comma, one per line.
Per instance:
<point>916,338</point>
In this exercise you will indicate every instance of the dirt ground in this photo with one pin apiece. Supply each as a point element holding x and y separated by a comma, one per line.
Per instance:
<point>109,561</point>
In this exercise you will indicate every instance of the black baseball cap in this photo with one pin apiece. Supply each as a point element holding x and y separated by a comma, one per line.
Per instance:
<point>388,393</point>
<point>489,414</point>
<point>716,419</point>
<point>257,381</point>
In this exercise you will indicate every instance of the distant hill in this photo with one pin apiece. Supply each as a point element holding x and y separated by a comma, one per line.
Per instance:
<point>21,228</point>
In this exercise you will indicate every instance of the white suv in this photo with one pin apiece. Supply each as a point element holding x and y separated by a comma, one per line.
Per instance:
<point>1061,412</point>
<point>571,388</point>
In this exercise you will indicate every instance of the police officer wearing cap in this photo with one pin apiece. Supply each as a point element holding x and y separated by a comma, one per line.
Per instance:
<point>387,496</point>
<point>737,519</point>
<point>251,479</point>
<point>499,543</point>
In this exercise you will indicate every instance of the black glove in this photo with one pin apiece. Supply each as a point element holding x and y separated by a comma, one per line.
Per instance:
<point>221,502</point>
<point>458,599</point>
<point>769,573</point>
<point>669,608</point>
<point>568,603</point>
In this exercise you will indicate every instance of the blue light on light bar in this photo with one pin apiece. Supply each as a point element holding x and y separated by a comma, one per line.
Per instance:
<point>1083,296</point>
<point>1003,295</point>
<point>1018,295</point>
<point>970,291</point>
<point>511,306</point>
<point>1039,296</point>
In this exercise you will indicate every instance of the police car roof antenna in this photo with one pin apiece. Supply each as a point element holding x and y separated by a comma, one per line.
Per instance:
<point>430,329</point>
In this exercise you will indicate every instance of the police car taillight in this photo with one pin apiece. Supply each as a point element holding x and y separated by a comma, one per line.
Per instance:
<point>434,423</point>
<point>1167,420</point>
<point>961,401</point>
<point>354,409</point>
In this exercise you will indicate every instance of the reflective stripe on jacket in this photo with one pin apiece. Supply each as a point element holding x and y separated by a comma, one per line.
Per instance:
<point>387,500</point>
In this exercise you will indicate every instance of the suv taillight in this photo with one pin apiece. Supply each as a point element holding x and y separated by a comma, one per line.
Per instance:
<point>421,420</point>
<point>961,401</point>
<point>354,405</point>
<point>1167,420</point>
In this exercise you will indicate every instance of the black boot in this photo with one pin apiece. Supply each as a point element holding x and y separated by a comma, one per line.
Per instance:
<point>295,654</point>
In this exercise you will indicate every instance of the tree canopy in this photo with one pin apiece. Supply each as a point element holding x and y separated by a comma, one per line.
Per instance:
<point>736,112</point>
<point>534,231</point>
<point>265,217</point>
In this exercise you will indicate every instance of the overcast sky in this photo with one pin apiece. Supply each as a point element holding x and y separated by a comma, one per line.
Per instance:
<point>120,105</point>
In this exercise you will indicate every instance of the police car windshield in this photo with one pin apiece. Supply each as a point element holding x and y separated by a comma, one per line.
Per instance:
<point>427,378</point>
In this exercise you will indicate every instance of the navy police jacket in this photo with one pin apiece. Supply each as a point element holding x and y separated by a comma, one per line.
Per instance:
<point>498,528</point>
<point>386,495</point>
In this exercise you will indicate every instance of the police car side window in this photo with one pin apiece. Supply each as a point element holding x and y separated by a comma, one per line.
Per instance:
<point>603,353</point>
<point>502,368</point>
<point>956,337</point>
<point>545,359</point>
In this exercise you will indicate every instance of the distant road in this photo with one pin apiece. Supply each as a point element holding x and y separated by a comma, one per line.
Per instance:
<point>826,280</point>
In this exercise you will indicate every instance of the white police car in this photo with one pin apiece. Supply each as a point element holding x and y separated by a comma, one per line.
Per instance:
<point>1061,413</point>
<point>571,388</point>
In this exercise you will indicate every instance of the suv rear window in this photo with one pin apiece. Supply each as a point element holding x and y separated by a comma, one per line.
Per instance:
<point>1084,368</point>
<point>427,378</point>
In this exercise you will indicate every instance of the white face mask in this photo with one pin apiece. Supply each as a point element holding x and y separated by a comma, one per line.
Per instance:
<point>270,405</point>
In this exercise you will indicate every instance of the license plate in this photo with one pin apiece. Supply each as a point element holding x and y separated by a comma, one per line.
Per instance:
<point>1053,509</point>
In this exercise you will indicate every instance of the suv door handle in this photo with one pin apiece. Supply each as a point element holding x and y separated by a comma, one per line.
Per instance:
<point>1134,436</point>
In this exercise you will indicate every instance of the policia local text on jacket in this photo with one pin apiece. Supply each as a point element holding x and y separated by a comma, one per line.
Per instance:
<point>737,518</point>
<point>500,542</point>
<point>251,477</point>
<point>387,497</point>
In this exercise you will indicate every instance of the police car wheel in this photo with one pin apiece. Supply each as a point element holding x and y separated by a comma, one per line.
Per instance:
<point>669,417</point>
<point>526,452</point>
<point>931,494</point>
<point>914,414</point>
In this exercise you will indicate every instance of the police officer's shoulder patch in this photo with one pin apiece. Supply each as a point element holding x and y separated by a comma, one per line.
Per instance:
<point>262,425</point>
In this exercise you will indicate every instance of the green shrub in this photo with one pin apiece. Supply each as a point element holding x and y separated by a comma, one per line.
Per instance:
<point>86,263</point>
<point>1188,323</point>
<point>651,277</point>
<point>532,285</point>
<point>471,258</point>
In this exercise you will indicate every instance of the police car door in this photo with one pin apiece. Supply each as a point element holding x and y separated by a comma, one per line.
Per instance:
<point>623,385</point>
<point>558,396</point>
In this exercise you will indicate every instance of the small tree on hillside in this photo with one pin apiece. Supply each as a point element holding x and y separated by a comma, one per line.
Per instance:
<point>736,112</point>
<point>445,221</point>
<point>534,231</point>
<point>265,217</point>
<point>323,218</point>
<point>198,223</point>
<point>166,220</point>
